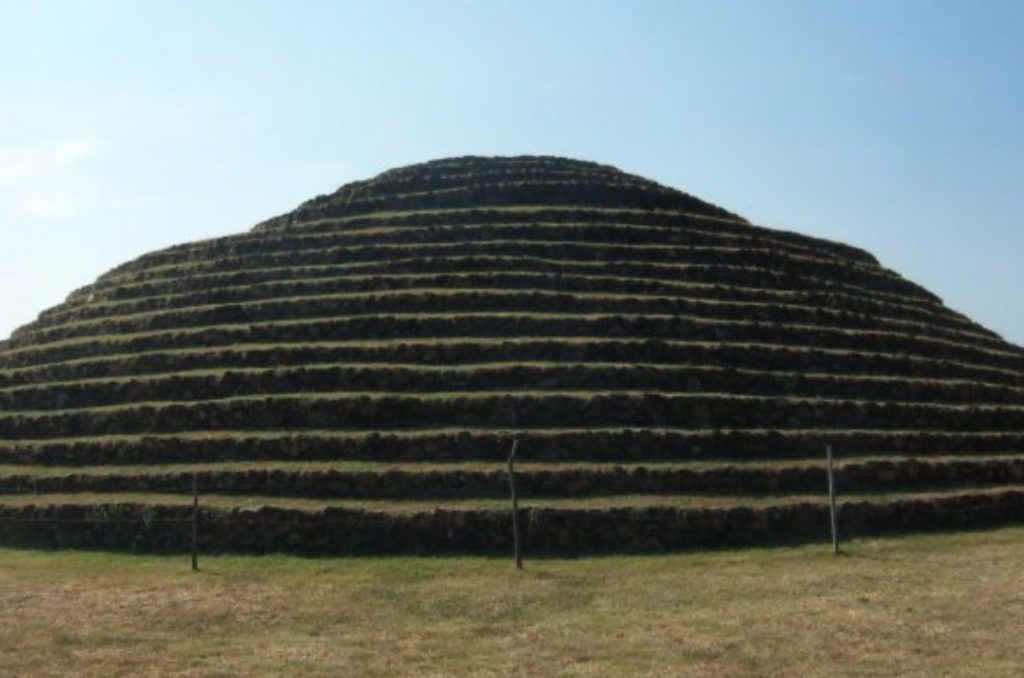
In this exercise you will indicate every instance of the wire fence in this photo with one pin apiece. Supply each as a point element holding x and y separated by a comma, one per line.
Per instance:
<point>223,527</point>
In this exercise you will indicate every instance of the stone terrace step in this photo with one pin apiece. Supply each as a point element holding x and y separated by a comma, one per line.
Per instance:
<point>536,232</point>
<point>451,217</point>
<point>871,277</point>
<point>388,506</point>
<point>564,530</point>
<point>594,444</point>
<point>730,275</point>
<point>552,376</point>
<point>471,352</point>
<point>526,409</point>
<point>479,480</point>
<point>500,281</point>
<point>513,325</point>
<point>596,192</point>
<point>459,301</point>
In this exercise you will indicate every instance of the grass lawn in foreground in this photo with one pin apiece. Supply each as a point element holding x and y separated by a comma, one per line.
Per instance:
<point>947,604</point>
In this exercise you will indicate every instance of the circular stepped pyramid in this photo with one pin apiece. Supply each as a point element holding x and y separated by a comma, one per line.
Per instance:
<point>349,377</point>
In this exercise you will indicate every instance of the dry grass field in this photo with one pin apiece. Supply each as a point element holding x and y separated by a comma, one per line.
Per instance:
<point>922,605</point>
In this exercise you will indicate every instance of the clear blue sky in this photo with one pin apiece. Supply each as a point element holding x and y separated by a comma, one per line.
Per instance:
<point>897,126</point>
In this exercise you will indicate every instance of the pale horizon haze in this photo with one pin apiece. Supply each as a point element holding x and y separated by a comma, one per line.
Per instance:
<point>126,127</point>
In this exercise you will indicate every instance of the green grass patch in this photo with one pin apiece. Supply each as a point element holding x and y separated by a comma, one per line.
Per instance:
<point>915,606</point>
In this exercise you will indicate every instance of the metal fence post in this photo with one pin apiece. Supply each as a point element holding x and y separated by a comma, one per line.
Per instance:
<point>832,501</point>
<point>195,522</point>
<point>515,504</point>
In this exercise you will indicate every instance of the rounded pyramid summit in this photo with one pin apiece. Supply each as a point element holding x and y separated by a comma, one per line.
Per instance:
<point>348,377</point>
<point>491,182</point>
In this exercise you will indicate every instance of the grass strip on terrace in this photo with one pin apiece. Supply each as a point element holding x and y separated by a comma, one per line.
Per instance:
<point>383,279</point>
<point>872,271</point>
<point>461,228</point>
<point>427,343</point>
<point>582,395</point>
<point>382,467</point>
<point>500,294</point>
<point>318,239</point>
<point>183,332</point>
<point>511,366</point>
<point>378,295</point>
<point>502,431</point>
<point>675,501</point>
<point>669,269</point>
<point>526,208</point>
<point>447,291</point>
<point>467,280</point>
